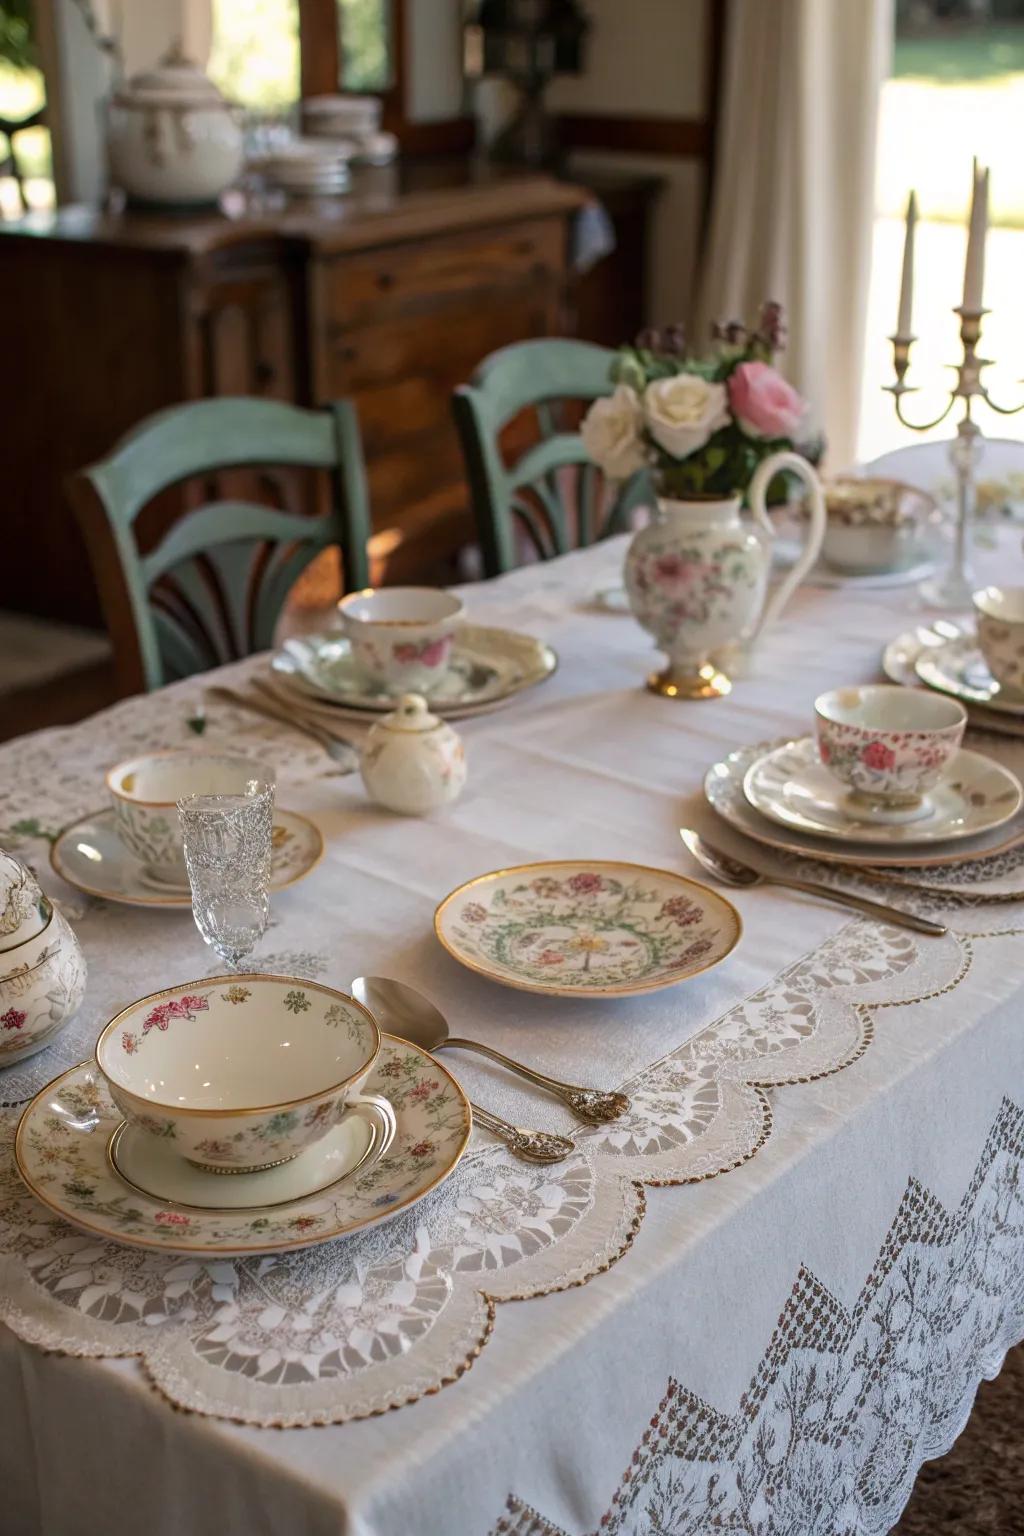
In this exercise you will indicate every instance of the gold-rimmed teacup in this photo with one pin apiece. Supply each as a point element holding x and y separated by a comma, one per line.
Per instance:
<point>239,1073</point>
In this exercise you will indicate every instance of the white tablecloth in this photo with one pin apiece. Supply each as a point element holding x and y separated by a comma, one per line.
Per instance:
<point>773,1345</point>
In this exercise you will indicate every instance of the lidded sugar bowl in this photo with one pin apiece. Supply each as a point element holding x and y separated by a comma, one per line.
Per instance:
<point>42,968</point>
<point>413,762</point>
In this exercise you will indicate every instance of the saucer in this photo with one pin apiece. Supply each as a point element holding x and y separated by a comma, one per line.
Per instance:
<point>899,663</point>
<point>90,855</point>
<point>723,790</point>
<point>587,928</point>
<point>151,1166</point>
<point>959,668</point>
<point>487,665</point>
<point>791,786</point>
<point>61,1153</point>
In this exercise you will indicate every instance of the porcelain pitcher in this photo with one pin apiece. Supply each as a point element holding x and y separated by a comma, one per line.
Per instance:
<point>697,579</point>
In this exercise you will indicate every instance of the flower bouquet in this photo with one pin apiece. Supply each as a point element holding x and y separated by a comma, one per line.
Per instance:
<point>701,425</point>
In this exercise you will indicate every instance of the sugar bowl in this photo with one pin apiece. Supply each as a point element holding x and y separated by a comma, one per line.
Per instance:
<point>413,762</point>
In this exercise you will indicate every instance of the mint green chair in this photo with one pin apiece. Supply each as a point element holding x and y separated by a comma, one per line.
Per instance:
<point>212,589</point>
<point>551,491</point>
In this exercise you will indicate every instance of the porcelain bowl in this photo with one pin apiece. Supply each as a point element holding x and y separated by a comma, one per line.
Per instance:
<point>401,637</point>
<point>42,982</point>
<point>1000,619</point>
<point>144,791</point>
<point>889,745</point>
<point>239,1072</point>
<point>875,525</point>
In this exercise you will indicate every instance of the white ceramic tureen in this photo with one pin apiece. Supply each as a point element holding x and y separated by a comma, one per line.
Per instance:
<point>172,138</point>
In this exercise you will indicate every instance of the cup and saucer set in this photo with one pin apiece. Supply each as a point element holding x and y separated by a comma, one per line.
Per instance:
<point>402,640</point>
<point>242,1114</point>
<point>884,781</point>
<point>981,664</point>
<point>132,851</point>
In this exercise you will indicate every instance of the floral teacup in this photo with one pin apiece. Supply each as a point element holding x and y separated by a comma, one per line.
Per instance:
<point>1000,615</point>
<point>889,745</point>
<point>402,637</point>
<point>239,1073</point>
<point>145,792</point>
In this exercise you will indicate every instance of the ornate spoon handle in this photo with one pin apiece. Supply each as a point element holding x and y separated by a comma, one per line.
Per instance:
<point>591,1104</point>
<point>531,1146</point>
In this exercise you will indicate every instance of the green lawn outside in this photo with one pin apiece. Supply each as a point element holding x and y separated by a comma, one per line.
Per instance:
<point>967,54</point>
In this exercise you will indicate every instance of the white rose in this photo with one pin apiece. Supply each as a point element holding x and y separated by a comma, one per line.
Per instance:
<point>683,411</point>
<point>611,433</point>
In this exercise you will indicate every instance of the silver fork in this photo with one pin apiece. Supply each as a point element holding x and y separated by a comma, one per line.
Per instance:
<point>731,871</point>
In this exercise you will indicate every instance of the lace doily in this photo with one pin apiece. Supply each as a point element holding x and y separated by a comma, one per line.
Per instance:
<point>368,1323</point>
<point>846,1403</point>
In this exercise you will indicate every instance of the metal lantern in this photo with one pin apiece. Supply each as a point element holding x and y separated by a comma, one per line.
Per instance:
<point>527,42</point>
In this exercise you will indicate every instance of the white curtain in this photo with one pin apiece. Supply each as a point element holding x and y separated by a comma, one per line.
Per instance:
<point>793,197</point>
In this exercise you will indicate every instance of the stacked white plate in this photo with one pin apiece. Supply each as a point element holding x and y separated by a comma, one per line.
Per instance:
<point>307,168</point>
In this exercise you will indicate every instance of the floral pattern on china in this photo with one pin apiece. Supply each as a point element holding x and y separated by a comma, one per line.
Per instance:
<point>710,431</point>
<point>586,929</point>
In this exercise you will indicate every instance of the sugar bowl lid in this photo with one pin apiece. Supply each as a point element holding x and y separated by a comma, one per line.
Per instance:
<point>412,716</point>
<point>177,81</point>
<point>24,910</point>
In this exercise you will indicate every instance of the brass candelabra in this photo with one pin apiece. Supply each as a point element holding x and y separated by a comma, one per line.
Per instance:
<point>953,587</point>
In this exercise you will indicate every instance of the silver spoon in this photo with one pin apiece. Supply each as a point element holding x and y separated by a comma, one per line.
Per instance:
<point>404,1012</point>
<point>416,1018</point>
<point>731,871</point>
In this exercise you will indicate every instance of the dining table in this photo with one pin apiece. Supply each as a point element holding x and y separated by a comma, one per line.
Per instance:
<point>755,1303</point>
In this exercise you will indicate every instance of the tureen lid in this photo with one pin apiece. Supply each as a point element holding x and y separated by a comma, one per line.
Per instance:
<point>24,910</point>
<point>412,716</point>
<point>177,81</point>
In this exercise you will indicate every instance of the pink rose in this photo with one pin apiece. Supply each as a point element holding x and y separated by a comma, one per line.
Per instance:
<point>877,755</point>
<point>763,403</point>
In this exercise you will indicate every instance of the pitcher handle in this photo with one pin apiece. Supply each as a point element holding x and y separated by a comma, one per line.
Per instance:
<point>763,476</point>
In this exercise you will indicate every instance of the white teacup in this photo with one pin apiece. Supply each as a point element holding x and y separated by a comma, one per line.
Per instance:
<point>145,790</point>
<point>402,637</point>
<point>889,745</point>
<point>1000,619</point>
<point>239,1073</point>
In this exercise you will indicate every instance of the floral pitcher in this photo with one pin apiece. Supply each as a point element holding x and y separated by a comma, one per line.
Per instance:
<point>697,579</point>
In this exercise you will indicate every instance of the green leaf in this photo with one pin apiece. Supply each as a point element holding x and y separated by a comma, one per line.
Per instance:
<point>196,724</point>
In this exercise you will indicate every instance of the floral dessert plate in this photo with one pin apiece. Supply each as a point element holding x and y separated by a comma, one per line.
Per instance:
<point>485,666</point>
<point>90,855</point>
<point>591,928</point>
<point>61,1153</point>
<point>791,786</point>
<point>959,668</point>
<point>723,789</point>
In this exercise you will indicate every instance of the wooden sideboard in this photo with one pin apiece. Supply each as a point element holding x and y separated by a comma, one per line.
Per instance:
<point>390,296</point>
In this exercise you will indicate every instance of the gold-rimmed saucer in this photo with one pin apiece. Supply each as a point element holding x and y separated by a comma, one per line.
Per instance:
<point>587,927</point>
<point>149,1165</point>
<point>90,855</point>
<point>959,668</point>
<point>791,786</point>
<point>723,789</point>
<point>60,1150</point>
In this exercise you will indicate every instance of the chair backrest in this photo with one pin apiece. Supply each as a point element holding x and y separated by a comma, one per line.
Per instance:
<point>551,490</point>
<point>212,589</point>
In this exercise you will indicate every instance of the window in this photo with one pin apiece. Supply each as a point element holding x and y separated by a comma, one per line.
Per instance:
<point>366,45</point>
<point>255,53</point>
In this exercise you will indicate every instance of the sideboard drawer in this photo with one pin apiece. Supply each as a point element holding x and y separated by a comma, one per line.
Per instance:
<point>408,279</point>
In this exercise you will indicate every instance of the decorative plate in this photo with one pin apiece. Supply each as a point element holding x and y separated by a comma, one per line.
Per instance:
<point>91,856</point>
<point>487,666</point>
<point>61,1153</point>
<point>959,668</point>
<point>592,928</point>
<point>791,786</point>
<point>723,789</point>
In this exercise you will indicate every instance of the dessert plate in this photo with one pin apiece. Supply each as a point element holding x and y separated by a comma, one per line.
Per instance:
<point>487,666</point>
<point>152,1167</point>
<point>588,928</point>
<point>791,786</point>
<point>723,789</point>
<point>61,1153</point>
<point>91,856</point>
<point>959,668</point>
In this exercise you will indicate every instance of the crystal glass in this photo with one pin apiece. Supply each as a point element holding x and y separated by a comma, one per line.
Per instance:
<point>227,842</point>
